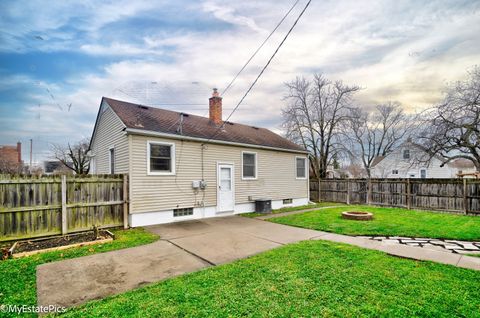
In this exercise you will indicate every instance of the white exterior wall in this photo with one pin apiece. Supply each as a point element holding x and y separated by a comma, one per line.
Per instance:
<point>409,167</point>
<point>153,197</point>
<point>109,134</point>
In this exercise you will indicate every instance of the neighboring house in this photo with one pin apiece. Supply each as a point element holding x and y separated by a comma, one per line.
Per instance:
<point>56,167</point>
<point>410,160</point>
<point>11,158</point>
<point>184,166</point>
<point>351,171</point>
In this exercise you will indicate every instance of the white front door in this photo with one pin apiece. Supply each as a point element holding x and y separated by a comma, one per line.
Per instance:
<point>225,191</point>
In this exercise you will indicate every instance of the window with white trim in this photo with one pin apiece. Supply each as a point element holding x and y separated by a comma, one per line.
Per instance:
<point>423,173</point>
<point>394,171</point>
<point>406,154</point>
<point>301,167</point>
<point>249,165</point>
<point>160,158</point>
<point>111,159</point>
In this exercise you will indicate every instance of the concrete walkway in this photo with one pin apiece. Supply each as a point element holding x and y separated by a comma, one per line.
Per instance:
<point>190,246</point>
<point>277,215</point>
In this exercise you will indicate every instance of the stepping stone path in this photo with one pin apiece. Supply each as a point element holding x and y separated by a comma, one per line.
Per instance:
<point>454,246</point>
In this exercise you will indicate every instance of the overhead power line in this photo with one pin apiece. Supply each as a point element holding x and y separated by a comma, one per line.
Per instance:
<point>262,71</point>
<point>259,48</point>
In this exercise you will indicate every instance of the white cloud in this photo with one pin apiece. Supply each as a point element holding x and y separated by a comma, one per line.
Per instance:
<point>225,13</point>
<point>404,51</point>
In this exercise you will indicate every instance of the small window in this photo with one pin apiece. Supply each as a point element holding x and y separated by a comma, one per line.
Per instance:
<point>287,201</point>
<point>112,160</point>
<point>161,158</point>
<point>301,164</point>
<point>394,171</point>
<point>249,165</point>
<point>423,173</point>
<point>182,212</point>
<point>412,175</point>
<point>406,154</point>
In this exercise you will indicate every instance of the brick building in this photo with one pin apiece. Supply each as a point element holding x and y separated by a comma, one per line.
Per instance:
<point>11,158</point>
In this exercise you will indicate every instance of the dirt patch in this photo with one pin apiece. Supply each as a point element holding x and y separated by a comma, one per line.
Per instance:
<point>41,244</point>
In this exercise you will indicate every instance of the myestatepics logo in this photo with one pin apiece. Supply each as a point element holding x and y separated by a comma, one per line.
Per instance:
<point>23,309</point>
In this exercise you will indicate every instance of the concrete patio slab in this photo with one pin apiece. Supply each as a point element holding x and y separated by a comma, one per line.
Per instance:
<point>76,281</point>
<point>282,234</point>
<point>189,246</point>
<point>221,247</point>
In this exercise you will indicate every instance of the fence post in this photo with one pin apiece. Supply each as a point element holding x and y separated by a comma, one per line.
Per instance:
<point>369,191</point>
<point>319,190</point>
<point>348,191</point>
<point>64,205</point>
<point>465,196</point>
<point>409,194</point>
<point>125,201</point>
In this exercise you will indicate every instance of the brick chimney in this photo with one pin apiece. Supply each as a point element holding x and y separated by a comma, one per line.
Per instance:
<point>215,107</point>
<point>19,151</point>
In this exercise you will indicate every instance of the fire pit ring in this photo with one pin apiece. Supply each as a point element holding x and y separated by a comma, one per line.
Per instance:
<point>356,215</point>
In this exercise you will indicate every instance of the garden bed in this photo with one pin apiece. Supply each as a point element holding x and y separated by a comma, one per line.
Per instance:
<point>30,247</point>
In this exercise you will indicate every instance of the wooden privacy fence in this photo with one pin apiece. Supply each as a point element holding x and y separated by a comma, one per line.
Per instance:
<point>451,195</point>
<point>47,205</point>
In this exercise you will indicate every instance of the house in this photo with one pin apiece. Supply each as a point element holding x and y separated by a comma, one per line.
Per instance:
<point>183,166</point>
<point>56,167</point>
<point>11,158</point>
<point>411,160</point>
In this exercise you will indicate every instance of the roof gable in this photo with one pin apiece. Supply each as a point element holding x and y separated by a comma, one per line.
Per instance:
<point>140,117</point>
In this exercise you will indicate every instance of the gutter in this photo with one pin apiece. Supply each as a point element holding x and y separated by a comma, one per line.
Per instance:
<point>205,140</point>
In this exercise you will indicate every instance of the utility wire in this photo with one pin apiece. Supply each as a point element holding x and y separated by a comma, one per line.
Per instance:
<point>259,48</point>
<point>261,72</point>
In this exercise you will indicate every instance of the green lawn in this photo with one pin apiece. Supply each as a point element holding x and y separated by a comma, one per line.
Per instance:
<point>307,279</point>
<point>296,208</point>
<point>18,276</point>
<point>389,222</point>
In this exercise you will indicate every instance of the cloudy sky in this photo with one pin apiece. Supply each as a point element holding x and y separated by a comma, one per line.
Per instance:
<point>58,58</point>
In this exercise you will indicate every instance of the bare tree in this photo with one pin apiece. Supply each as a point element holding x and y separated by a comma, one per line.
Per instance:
<point>315,109</point>
<point>453,127</point>
<point>7,167</point>
<point>368,135</point>
<point>74,156</point>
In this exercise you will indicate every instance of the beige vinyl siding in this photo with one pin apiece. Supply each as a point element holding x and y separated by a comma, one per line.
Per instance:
<point>109,134</point>
<point>151,193</point>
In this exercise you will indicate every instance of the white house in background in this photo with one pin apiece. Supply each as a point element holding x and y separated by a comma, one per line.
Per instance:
<point>410,160</point>
<point>183,166</point>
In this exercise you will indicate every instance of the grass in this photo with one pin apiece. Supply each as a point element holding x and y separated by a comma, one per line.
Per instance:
<point>293,208</point>
<point>389,222</point>
<point>306,279</point>
<point>18,276</point>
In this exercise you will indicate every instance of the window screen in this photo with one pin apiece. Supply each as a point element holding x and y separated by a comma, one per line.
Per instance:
<point>249,165</point>
<point>160,157</point>
<point>301,168</point>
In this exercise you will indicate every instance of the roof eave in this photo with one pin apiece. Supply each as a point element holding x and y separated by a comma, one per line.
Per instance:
<point>205,140</point>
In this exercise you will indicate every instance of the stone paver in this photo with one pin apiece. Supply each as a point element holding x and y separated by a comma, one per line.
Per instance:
<point>453,246</point>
